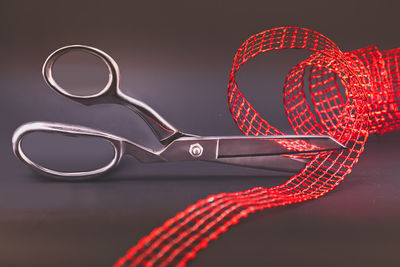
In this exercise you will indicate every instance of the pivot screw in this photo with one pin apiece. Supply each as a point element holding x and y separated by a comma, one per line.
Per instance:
<point>196,150</point>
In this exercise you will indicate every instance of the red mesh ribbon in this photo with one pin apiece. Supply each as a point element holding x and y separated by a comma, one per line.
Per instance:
<point>371,82</point>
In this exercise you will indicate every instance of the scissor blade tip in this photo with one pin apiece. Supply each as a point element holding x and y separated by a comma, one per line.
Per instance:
<point>340,145</point>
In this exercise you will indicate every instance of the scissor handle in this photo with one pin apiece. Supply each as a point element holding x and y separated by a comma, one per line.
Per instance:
<point>111,93</point>
<point>70,130</point>
<point>110,88</point>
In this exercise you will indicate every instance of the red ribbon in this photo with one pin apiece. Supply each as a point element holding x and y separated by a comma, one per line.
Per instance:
<point>371,79</point>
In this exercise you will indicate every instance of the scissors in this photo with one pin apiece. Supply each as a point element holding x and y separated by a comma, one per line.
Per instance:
<point>266,152</point>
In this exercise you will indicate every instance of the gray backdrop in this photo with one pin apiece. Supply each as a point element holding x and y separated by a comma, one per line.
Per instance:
<point>176,57</point>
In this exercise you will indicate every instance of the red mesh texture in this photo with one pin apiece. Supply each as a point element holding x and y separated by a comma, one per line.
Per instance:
<point>383,93</point>
<point>371,82</point>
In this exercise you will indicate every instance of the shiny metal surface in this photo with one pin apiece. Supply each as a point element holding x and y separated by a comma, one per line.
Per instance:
<point>111,93</point>
<point>268,145</point>
<point>266,152</point>
<point>235,150</point>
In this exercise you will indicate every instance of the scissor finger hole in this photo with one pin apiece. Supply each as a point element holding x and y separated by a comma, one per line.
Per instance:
<point>55,152</point>
<point>80,73</point>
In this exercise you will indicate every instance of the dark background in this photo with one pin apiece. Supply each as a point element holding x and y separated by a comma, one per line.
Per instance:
<point>176,57</point>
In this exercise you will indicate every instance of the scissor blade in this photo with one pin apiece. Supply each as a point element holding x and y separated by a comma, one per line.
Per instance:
<point>230,147</point>
<point>274,163</point>
<point>264,152</point>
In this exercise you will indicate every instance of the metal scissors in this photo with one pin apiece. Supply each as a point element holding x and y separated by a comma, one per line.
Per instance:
<point>267,152</point>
